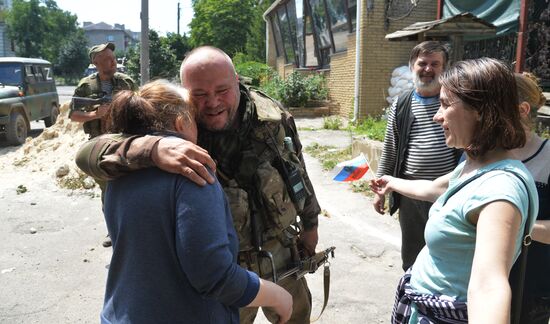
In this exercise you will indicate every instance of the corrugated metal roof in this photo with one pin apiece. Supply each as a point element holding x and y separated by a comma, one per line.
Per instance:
<point>464,23</point>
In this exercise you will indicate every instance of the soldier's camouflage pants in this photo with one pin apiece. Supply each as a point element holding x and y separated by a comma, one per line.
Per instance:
<point>301,297</point>
<point>301,307</point>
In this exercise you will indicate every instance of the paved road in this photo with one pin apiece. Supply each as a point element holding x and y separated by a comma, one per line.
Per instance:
<point>57,275</point>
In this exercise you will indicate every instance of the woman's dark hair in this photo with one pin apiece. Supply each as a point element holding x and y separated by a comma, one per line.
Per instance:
<point>488,87</point>
<point>154,108</point>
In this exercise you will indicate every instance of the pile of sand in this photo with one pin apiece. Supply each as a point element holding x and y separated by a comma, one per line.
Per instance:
<point>52,154</point>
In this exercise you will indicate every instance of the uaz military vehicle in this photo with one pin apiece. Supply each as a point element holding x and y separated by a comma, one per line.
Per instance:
<point>27,93</point>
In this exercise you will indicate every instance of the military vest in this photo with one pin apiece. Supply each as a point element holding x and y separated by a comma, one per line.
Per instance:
<point>90,87</point>
<point>266,189</point>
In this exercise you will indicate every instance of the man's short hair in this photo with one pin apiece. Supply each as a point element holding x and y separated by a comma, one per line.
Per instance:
<point>427,48</point>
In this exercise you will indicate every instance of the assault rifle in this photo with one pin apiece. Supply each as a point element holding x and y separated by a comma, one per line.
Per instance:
<point>308,265</point>
<point>89,103</point>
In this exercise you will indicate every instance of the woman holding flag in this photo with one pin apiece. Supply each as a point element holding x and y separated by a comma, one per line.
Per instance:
<point>475,228</point>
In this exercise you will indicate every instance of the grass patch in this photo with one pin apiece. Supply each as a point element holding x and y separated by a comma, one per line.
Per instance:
<point>332,123</point>
<point>372,127</point>
<point>362,186</point>
<point>329,156</point>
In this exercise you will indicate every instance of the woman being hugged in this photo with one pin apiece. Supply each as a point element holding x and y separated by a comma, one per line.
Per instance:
<point>475,228</point>
<point>174,245</point>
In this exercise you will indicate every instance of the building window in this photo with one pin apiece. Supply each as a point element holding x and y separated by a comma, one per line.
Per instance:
<point>310,52</point>
<point>110,38</point>
<point>287,35</point>
<point>338,16</point>
<point>307,32</point>
<point>277,36</point>
<point>352,14</point>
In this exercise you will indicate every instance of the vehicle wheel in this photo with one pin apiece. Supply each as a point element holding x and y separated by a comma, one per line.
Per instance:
<point>17,129</point>
<point>49,121</point>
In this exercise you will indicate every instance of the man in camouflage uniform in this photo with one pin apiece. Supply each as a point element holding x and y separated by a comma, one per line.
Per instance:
<point>104,83</point>
<point>245,132</point>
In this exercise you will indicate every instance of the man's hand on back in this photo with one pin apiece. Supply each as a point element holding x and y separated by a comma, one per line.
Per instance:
<point>176,155</point>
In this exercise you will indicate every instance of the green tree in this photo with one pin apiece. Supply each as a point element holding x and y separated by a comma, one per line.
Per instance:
<point>73,57</point>
<point>255,43</point>
<point>26,26</point>
<point>178,44</point>
<point>162,59</point>
<point>40,28</point>
<point>222,23</point>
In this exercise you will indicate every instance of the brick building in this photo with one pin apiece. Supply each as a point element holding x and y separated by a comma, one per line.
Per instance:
<point>320,35</point>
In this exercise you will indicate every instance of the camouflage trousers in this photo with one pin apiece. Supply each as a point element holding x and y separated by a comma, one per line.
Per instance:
<point>301,296</point>
<point>301,307</point>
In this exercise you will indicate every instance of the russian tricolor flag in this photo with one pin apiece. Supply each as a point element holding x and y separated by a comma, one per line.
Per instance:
<point>352,170</point>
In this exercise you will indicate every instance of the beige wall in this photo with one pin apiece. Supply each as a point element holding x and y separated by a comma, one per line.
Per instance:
<point>341,80</point>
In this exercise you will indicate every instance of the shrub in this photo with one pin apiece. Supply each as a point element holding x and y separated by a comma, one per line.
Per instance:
<point>332,123</point>
<point>258,72</point>
<point>296,90</point>
<point>272,87</point>
<point>316,87</point>
<point>373,127</point>
<point>293,92</point>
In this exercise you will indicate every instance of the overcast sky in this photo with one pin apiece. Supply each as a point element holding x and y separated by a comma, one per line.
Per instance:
<point>162,13</point>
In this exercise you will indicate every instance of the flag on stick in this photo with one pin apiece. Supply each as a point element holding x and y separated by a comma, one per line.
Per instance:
<point>353,170</point>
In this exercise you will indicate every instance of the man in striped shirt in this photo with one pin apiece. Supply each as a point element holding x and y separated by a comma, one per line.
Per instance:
<point>414,145</point>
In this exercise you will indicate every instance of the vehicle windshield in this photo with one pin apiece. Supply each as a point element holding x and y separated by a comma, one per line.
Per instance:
<point>11,74</point>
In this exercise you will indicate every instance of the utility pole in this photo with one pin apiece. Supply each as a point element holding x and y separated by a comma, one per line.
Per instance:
<point>179,18</point>
<point>144,54</point>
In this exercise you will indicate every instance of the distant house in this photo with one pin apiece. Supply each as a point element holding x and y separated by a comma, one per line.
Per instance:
<point>6,45</point>
<point>102,32</point>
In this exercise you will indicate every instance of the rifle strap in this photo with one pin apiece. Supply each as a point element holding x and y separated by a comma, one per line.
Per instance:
<point>326,284</point>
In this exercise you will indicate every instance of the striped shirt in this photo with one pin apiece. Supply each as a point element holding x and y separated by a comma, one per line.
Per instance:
<point>107,87</point>
<point>427,155</point>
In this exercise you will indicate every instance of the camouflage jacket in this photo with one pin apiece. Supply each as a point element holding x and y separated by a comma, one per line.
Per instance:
<point>110,156</point>
<point>90,87</point>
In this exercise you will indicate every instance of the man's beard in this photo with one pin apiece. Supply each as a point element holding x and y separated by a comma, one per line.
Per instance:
<point>431,85</point>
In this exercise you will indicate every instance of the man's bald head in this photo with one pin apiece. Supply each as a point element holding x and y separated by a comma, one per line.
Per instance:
<point>203,56</point>
<point>209,76</point>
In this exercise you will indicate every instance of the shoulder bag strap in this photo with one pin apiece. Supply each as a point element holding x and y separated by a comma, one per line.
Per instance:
<point>517,289</point>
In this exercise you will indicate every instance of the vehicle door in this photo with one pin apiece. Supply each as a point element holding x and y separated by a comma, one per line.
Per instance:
<point>46,90</point>
<point>32,93</point>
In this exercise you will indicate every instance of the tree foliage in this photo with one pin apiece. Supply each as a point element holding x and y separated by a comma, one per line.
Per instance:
<point>73,57</point>
<point>222,23</point>
<point>178,44</point>
<point>40,28</point>
<point>255,43</point>
<point>165,56</point>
